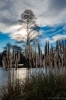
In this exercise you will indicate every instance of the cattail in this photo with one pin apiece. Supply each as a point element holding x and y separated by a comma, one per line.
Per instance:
<point>40,58</point>
<point>55,64</point>
<point>8,56</point>
<point>57,46</point>
<point>36,60</point>
<point>10,62</point>
<point>59,63</point>
<point>63,45</point>
<point>19,55</point>
<point>48,47</point>
<point>16,62</point>
<point>4,62</point>
<point>26,51</point>
<point>50,58</point>
<point>62,63</point>
<point>38,49</point>
<point>65,56</point>
<point>13,53</point>
<point>44,63</point>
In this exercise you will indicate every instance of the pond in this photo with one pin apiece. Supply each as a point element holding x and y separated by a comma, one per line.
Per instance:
<point>21,73</point>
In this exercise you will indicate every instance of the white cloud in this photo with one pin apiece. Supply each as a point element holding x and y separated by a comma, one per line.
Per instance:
<point>48,12</point>
<point>54,38</point>
<point>58,37</point>
<point>19,33</point>
<point>11,29</point>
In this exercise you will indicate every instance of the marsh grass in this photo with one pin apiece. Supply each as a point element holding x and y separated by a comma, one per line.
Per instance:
<point>38,87</point>
<point>11,91</point>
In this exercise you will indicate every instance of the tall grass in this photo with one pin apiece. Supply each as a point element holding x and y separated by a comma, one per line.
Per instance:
<point>39,87</point>
<point>11,91</point>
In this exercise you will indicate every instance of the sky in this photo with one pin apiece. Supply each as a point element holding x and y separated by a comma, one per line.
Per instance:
<point>50,14</point>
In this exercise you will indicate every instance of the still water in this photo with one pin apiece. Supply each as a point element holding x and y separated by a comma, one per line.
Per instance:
<point>21,73</point>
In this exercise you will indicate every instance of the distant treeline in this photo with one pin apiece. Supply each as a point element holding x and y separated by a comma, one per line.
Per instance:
<point>22,58</point>
<point>33,57</point>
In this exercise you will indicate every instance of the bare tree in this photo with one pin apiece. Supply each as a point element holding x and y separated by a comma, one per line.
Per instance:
<point>30,39</point>
<point>27,22</point>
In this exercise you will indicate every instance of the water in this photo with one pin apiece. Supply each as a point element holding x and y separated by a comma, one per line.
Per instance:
<point>21,73</point>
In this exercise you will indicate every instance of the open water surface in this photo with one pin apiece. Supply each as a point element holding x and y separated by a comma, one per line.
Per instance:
<point>21,73</point>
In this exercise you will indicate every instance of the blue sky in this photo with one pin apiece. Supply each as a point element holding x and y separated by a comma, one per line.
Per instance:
<point>51,18</point>
<point>4,39</point>
<point>53,33</point>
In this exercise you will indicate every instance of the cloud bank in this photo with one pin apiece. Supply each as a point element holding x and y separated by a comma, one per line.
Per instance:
<point>48,13</point>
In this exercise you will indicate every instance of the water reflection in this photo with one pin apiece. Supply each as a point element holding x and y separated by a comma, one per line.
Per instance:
<point>22,73</point>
